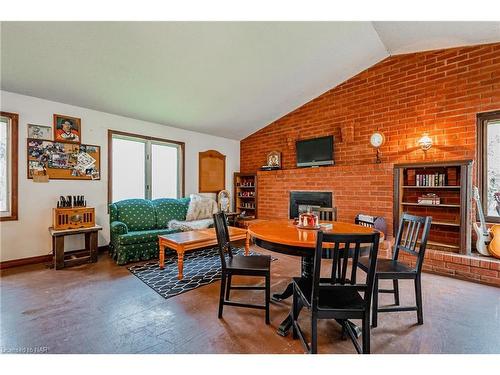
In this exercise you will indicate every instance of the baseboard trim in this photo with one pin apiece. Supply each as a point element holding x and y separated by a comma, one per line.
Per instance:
<point>40,259</point>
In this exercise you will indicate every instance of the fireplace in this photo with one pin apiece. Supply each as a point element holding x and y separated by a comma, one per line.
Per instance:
<point>301,201</point>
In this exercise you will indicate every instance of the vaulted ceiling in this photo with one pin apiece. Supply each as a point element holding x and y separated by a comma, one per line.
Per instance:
<point>222,78</point>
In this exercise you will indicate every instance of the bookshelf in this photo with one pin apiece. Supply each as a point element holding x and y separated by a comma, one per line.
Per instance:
<point>245,194</point>
<point>441,190</point>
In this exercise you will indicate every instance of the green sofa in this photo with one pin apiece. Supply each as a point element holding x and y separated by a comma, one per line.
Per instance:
<point>136,223</point>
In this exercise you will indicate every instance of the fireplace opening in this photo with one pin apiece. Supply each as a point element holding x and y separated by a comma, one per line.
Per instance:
<point>302,201</point>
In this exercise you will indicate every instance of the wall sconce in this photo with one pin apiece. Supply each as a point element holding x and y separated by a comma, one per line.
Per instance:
<point>425,142</point>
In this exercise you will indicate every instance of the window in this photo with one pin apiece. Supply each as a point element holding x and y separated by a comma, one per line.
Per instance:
<point>8,166</point>
<point>144,167</point>
<point>488,137</point>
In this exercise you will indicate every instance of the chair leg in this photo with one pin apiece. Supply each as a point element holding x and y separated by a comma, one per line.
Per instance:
<point>228,286</point>
<point>375,303</point>
<point>268,296</point>
<point>295,314</point>
<point>344,331</point>
<point>418,297</point>
<point>222,290</point>
<point>395,284</point>
<point>314,334</point>
<point>366,333</point>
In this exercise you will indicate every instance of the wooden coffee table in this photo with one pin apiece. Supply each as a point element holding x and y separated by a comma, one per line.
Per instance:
<point>196,239</point>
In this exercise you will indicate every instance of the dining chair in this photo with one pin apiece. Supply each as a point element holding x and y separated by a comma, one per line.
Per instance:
<point>413,232</point>
<point>337,297</point>
<point>255,265</point>
<point>328,213</point>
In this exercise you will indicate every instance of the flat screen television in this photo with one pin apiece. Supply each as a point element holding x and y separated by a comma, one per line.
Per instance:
<point>315,152</point>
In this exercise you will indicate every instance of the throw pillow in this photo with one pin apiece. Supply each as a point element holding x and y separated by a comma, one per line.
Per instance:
<point>201,208</point>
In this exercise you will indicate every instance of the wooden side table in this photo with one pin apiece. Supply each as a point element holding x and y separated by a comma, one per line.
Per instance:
<point>58,246</point>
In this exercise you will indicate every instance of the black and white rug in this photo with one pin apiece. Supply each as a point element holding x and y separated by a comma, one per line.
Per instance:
<point>201,267</point>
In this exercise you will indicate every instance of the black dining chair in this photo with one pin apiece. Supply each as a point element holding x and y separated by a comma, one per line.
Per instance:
<point>328,213</point>
<point>413,232</point>
<point>255,265</point>
<point>337,297</point>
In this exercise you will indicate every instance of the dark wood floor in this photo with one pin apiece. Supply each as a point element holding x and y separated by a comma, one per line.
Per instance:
<point>103,308</point>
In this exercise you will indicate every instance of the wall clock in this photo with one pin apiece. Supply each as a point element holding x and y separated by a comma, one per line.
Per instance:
<point>377,139</point>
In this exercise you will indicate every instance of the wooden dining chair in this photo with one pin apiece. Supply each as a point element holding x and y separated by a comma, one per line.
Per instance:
<point>328,213</point>
<point>339,296</point>
<point>412,233</point>
<point>255,265</point>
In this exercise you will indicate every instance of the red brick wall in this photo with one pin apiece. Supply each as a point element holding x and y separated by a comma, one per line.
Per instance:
<point>439,92</point>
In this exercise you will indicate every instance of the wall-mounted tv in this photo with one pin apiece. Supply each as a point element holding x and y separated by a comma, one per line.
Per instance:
<point>315,152</point>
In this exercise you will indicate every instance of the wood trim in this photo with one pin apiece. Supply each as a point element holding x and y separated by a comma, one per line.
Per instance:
<point>449,163</point>
<point>14,155</point>
<point>42,258</point>
<point>148,138</point>
<point>482,119</point>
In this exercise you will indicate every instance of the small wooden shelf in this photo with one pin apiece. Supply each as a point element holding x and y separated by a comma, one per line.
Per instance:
<point>442,244</point>
<point>247,183</point>
<point>445,223</point>
<point>431,187</point>
<point>430,205</point>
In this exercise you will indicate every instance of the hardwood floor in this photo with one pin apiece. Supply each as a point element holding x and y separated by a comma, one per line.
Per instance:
<point>103,308</point>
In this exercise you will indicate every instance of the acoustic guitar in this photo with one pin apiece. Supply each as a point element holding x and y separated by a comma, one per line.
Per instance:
<point>482,232</point>
<point>494,246</point>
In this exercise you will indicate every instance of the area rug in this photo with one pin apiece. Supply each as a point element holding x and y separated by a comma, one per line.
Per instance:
<point>201,267</point>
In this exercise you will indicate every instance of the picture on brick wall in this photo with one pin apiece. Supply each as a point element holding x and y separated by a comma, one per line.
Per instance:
<point>67,129</point>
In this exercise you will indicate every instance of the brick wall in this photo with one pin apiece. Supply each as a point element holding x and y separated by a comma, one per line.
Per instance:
<point>438,92</point>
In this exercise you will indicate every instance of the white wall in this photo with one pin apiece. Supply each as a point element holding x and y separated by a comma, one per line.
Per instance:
<point>28,236</point>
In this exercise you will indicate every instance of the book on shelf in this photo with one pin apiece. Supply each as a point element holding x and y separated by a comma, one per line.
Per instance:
<point>430,180</point>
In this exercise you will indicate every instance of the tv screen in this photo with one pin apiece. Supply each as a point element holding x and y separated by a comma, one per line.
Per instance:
<point>315,152</point>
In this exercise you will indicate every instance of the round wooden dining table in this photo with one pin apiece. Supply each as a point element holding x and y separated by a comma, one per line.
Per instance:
<point>283,236</point>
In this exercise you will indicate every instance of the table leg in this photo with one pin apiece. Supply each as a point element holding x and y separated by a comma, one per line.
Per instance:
<point>91,245</point>
<point>161,255</point>
<point>247,244</point>
<point>59,252</point>
<point>180,263</point>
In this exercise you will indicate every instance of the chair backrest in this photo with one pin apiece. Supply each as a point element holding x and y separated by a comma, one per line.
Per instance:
<point>368,221</point>
<point>413,232</point>
<point>339,276</point>
<point>328,213</point>
<point>220,224</point>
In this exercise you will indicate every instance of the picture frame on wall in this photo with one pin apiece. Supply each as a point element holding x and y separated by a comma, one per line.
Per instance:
<point>67,129</point>
<point>39,132</point>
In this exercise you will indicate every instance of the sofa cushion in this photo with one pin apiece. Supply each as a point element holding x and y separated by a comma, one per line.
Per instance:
<point>201,208</point>
<point>185,226</point>
<point>170,209</point>
<point>142,236</point>
<point>137,214</point>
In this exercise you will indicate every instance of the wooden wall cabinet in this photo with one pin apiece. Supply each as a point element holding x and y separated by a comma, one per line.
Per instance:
<point>212,172</point>
<point>451,182</point>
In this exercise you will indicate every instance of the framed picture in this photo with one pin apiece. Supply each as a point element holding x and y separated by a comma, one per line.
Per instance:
<point>67,129</point>
<point>274,159</point>
<point>39,132</point>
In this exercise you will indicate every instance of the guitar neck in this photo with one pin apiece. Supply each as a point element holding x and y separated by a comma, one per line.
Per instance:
<point>481,216</point>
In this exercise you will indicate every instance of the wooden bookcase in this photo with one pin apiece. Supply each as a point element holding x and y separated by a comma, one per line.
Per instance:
<point>245,194</point>
<point>451,218</point>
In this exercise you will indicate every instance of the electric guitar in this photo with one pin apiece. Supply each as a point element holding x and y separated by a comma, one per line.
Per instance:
<point>482,232</point>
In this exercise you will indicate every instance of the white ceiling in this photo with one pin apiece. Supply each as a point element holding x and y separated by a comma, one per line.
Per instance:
<point>222,78</point>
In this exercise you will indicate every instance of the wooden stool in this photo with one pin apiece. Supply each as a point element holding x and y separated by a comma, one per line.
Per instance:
<point>58,246</point>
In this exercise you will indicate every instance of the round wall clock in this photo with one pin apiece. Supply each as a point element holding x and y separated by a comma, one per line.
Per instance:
<point>377,139</point>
